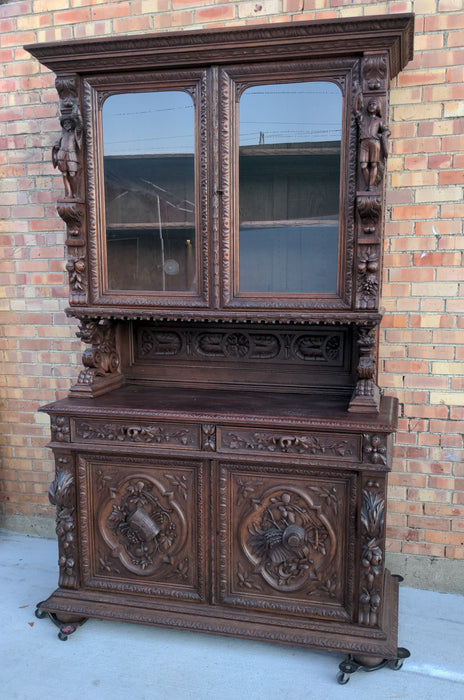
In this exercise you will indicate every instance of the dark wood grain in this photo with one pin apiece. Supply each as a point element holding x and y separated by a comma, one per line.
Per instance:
<point>222,459</point>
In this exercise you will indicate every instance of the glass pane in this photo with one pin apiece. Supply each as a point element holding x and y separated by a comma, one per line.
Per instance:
<point>289,170</point>
<point>148,142</point>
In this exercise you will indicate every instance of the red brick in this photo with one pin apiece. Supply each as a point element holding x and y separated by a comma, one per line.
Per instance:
<point>211,14</point>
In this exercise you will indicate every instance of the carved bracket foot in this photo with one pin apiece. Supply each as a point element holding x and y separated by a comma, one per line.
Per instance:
<point>353,663</point>
<point>66,628</point>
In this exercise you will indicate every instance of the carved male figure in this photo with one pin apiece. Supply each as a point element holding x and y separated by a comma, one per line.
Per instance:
<point>373,137</point>
<point>65,152</point>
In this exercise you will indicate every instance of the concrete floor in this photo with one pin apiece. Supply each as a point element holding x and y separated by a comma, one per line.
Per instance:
<point>119,661</point>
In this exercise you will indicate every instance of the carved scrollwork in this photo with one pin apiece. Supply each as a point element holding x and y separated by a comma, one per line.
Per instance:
<point>159,342</point>
<point>287,538</point>
<point>289,444</point>
<point>143,525</point>
<point>369,209</point>
<point>62,494</point>
<point>312,346</point>
<point>149,434</point>
<point>73,214</point>
<point>375,70</point>
<point>372,533</point>
<point>101,360</point>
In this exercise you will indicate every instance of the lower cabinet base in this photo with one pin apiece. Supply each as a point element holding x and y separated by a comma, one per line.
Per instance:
<point>368,646</point>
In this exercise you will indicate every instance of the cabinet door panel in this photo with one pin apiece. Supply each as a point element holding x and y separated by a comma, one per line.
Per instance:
<point>141,525</point>
<point>287,539</point>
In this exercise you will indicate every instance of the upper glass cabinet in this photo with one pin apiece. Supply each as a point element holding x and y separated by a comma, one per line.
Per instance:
<point>289,189</point>
<point>228,174</point>
<point>149,184</point>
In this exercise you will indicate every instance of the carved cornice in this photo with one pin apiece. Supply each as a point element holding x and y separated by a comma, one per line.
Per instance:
<point>389,33</point>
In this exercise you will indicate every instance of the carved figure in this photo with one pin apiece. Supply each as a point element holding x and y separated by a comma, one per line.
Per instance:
<point>65,152</point>
<point>373,134</point>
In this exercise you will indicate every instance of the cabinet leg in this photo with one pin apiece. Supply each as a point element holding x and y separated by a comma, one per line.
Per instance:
<point>67,625</point>
<point>363,663</point>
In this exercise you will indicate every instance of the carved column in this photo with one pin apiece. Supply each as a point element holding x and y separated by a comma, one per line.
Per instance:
<point>62,494</point>
<point>372,547</point>
<point>371,114</point>
<point>67,157</point>
<point>101,360</point>
<point>366,395</point>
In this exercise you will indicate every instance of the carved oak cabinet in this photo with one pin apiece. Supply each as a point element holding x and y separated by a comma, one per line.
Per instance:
<point>222,459</point>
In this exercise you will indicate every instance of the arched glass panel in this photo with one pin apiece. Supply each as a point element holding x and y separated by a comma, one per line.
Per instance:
<point>289,181</point>
<point>149,146</point>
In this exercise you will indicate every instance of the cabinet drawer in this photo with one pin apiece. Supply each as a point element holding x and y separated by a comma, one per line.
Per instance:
<point>159,434</point>
<point>310,445</point>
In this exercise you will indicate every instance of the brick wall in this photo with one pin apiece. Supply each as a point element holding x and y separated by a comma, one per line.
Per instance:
<point>422,339</point>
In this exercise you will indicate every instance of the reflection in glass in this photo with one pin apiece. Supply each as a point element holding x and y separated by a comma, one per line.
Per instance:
<point>148,145</point>
<point>289,173</point>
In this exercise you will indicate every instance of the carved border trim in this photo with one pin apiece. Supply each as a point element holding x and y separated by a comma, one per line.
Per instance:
<point>392,33</point>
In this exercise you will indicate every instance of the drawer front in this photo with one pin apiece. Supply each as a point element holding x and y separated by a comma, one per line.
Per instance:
<point>159,435</point>
<point>287,540</point>
<point>142,526</point>
<point>327,447</point>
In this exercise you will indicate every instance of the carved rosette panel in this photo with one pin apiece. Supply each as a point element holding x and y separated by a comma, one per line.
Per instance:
<point>101,360</point>
<point>62,494</point>
<point>318,346</point>
<point>375,449</point>
<point>372,548</point>
<point>143,524</point>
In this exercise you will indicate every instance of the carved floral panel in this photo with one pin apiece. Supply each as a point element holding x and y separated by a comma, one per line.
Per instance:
<point>136,433</point>
<point>283,539</point>
<point>147,531</point>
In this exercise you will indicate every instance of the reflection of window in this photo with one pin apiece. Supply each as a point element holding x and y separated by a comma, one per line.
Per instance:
<point>289,172</point>
<point>149,168</point>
